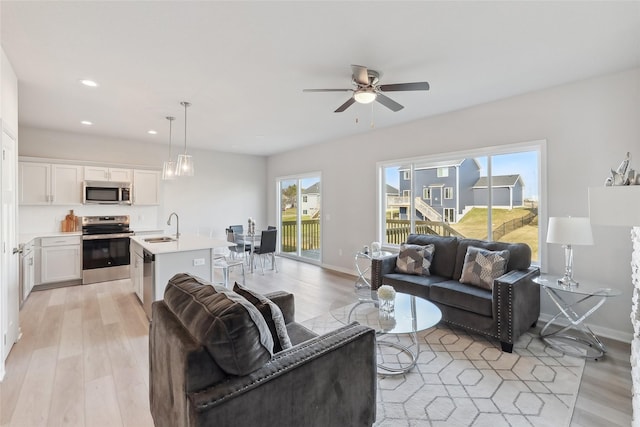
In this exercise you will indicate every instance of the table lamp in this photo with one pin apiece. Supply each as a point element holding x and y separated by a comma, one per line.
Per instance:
<point>569,231</point>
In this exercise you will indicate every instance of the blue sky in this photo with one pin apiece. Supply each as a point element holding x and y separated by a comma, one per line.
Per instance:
<point>525,164</point>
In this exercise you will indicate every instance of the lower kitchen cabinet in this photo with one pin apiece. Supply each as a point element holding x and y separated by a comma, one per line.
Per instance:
<point>27,277</point>
<point>61,259</point>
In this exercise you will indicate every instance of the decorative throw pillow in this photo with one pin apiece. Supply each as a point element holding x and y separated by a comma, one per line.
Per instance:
<point>272,315</point>
<point>415,259</point>
<point>481,267</point>
<point>231,329</point>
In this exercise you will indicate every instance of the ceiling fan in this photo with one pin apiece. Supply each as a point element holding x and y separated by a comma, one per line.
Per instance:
<point>367,89</point>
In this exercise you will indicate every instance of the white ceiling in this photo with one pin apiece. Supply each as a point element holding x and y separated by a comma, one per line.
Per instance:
<point>243,65</point>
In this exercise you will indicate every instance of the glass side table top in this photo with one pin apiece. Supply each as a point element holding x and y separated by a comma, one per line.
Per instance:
<point>584,288</point>
<point>410,313</point>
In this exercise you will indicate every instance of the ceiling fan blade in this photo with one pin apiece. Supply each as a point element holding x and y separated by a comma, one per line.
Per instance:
<point>327,90</point>
<point>346,105</point>
<point>404,86</point>
<point>388,102</point>
<point>360,74</point>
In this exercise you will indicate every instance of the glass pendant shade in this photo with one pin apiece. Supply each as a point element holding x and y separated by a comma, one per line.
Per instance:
<point>169,166</point>
<point>185,166</point>
<point>169,170</point>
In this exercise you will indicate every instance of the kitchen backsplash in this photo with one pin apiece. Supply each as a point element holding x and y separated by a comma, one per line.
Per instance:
<point>38,219</point>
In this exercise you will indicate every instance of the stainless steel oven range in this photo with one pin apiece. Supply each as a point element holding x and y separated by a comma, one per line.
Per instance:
<point>105,248</point>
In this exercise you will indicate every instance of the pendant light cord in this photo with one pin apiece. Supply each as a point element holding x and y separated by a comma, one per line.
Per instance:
<point>171,119</point>
<point>185,104</point>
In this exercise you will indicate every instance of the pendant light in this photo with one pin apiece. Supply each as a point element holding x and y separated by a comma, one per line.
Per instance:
<point>185,161</point>
<point>169,166</point>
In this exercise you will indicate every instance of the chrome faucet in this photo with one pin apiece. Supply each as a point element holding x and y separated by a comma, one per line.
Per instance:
<point>177,224</point>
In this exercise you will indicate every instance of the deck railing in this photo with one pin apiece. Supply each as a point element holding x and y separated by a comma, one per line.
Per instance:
<point>398,229</point>
<point>310,235</point>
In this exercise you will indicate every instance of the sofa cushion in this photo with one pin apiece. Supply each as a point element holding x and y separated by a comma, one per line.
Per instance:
<point>231,329</point>
<point>444,252</point>
<point>414,259</point>
<point>272,315</point>
<point>481,267</point>
<point>519,254</point>
<point>409,284</point>
<point>464,297</point>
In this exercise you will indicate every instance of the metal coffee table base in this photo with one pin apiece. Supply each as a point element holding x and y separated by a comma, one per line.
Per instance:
<point>400,368</point>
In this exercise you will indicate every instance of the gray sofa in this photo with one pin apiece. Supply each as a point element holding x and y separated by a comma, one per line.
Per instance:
<point>211,362</point>
<point>505,313</point>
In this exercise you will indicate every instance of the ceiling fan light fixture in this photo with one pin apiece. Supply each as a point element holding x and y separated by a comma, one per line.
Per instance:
<point>365,96</point>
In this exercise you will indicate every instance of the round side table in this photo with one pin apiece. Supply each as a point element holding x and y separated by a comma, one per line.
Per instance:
<point>575,305</point>
<point>362,261</point>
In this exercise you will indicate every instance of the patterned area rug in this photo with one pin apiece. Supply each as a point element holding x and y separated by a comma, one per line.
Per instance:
<point>463,379</point>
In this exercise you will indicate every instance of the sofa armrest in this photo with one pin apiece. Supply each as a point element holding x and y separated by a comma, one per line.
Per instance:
<point>516,303</point>
<point>381,266</point>
<point>286,303</point>
<point>328,380</point>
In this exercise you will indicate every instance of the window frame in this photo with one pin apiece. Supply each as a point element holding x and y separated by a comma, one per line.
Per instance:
<point>447,193</point>
<point>513,148</point>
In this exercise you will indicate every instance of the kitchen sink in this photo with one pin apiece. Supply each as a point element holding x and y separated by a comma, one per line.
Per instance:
<point>161,239</point>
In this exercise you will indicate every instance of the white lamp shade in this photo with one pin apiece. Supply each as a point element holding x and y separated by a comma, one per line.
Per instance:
<point>570,231</point>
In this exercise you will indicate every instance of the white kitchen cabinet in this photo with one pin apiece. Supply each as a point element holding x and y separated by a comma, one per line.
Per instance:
<point>50,184</point>
<point>137,269</point>
<point>101,173</point>
<point>146,187</point>
<point>61,259</point>
<point>34,183</point>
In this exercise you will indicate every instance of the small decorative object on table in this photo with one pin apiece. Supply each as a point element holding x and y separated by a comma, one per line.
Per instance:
<point>251,226</point>
<point>375,247</point>
<point>387,298</point>
<point>624,175</point>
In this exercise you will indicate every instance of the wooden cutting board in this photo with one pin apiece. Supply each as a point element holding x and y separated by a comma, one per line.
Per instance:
<point>69,222</point>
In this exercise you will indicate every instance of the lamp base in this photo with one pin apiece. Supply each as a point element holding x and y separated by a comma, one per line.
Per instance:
<point>567,281</point>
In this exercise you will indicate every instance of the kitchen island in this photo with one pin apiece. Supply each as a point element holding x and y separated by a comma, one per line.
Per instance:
<point>157,258</point>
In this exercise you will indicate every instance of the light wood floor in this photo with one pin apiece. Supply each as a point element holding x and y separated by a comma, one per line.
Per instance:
<point>83,357</point>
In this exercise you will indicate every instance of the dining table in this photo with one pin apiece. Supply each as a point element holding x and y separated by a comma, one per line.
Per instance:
<point>249,239</point>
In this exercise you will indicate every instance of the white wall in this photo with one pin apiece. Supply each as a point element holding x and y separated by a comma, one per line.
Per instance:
<point>588,125</point>
<point>226,189</point>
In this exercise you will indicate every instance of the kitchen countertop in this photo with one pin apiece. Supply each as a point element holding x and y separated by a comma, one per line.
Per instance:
<point>187,242</point>
<point>27,237</point>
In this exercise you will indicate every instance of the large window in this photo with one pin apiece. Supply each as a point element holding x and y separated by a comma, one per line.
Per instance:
<point>299,206</point>
<point>490,194</point>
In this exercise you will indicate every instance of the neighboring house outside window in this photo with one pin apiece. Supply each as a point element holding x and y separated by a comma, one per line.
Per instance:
<point>453,187</point>
<point>304,199</point>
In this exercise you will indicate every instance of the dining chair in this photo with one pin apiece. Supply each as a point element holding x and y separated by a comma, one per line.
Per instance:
<point>222,263</point>
<point>240,247</point>
<point>267,247</point>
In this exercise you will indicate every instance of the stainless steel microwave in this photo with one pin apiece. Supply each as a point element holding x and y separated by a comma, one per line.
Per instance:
<point>106,193</point>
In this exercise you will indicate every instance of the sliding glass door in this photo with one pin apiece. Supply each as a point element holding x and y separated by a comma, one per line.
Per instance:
<point>299,207</point>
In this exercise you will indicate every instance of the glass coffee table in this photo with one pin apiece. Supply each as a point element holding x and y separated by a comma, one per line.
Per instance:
<point>410,315</point>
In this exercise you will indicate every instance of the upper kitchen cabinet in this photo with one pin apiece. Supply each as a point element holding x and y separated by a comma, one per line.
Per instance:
<point>100,173</point>
<point>49,184</point>
<point>146,187</point>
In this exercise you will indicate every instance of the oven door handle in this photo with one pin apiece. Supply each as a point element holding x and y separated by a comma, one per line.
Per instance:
<point>105,236</point>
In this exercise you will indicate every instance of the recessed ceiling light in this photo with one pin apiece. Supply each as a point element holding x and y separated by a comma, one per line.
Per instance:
<point>89,83</point>
<point>86,122</point>
<point>152,132</point>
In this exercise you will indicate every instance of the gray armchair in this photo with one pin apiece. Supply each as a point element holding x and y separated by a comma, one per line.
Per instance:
<point>212,369</point>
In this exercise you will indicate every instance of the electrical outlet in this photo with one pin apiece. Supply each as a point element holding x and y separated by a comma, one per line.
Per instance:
<point>198,261</point>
